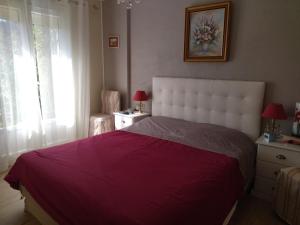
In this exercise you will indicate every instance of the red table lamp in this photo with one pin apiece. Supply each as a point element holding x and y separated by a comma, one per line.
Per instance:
<point>274,112</point>
<point>140,96</point>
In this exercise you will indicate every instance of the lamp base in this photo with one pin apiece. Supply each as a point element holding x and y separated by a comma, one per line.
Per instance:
<point>140,107</point>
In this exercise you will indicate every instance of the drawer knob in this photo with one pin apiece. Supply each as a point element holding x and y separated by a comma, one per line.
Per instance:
<point>281,157</point>
<point>123,121</point>
<point>276,173</point>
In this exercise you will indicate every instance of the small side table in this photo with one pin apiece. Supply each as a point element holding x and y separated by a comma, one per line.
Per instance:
<point>271,158</point>
<point>124,120</point>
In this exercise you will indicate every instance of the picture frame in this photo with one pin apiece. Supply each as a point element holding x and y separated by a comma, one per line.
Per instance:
<point>206,37</point>
<point>114,41</point>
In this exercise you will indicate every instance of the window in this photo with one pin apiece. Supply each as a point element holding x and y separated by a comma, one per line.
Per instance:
<point>46,49</point>
<point>45,34</point>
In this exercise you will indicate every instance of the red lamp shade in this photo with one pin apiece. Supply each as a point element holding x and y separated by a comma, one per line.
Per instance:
<point>140,96</point>
<point>274,111</point>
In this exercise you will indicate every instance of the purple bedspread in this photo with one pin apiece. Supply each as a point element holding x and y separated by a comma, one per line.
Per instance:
<point>123,178</point>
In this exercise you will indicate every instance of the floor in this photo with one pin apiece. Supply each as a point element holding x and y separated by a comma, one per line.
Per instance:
<point>250,211</point>
<point>253,211</point>
<point>12,207</point>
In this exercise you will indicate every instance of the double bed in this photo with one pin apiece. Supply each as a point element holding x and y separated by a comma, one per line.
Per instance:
<point>187,164</point>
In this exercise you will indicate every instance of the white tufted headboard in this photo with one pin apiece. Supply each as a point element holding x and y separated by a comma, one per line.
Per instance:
<point>233,104</point>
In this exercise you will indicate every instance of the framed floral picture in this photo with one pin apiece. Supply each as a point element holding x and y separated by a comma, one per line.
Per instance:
<point>206,32</point>
<point>114,41</point>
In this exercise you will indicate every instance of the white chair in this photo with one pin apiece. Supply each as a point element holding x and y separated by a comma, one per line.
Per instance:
<point>104,121</point>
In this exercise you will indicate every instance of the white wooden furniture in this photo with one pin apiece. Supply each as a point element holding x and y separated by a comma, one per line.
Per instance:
<point>271,157</point>
<point>125,120</point>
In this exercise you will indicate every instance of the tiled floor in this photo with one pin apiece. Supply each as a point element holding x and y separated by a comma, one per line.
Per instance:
<point>250,211</point>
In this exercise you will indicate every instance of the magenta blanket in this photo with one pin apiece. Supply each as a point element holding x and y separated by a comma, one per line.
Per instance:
<point>121,178</point>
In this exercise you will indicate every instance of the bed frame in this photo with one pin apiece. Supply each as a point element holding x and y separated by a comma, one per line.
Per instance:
<point>34,209</point>
<point>233,104</point>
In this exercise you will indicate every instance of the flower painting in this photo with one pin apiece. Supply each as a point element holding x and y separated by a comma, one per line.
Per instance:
<point>206,33</point>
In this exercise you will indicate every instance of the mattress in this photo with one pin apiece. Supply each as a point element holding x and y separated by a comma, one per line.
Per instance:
<point>32,207</point>
<point>132,177</point>
<point>214,138</point>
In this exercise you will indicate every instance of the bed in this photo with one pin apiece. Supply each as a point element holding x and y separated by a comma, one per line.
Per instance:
<point>172,168</point>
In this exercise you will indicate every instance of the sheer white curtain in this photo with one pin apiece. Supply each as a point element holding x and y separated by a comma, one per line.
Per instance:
<point>44,74</point>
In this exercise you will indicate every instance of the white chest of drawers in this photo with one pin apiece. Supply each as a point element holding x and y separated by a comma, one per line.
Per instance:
<point>271,157</point>
<point>125,120</point>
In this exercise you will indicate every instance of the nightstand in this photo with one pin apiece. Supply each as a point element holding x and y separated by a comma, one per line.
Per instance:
<point>125,120</point>
<point>271,157</point>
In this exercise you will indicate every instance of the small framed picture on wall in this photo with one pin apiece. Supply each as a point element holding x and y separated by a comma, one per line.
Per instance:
<point>114,41</point>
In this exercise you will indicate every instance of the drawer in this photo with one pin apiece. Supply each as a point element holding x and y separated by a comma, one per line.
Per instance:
<point>265,186</point>
<point>268,169</point>
<point>126,121</point>
<point>122,122</point>
<point>278,155</point>
<point>118,123</point>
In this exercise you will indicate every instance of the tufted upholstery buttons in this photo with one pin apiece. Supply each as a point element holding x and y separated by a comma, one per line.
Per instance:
<point>212,101</point>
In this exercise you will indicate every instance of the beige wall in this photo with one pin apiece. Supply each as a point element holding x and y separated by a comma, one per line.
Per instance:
<point>265,46</point>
